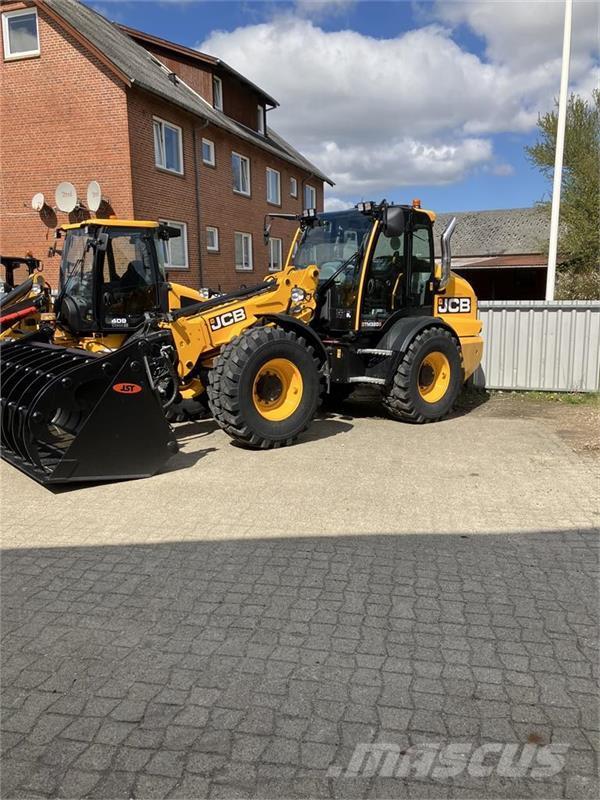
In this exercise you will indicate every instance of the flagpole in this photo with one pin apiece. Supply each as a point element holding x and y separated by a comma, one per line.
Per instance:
<point>560,146</point>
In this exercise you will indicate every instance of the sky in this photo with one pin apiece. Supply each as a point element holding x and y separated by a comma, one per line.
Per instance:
<point>397,99</point>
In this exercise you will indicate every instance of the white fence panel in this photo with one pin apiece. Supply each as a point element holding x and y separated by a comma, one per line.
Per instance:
<point>532,344</point>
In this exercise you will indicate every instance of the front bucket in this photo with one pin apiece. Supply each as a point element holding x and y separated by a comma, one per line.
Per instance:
<point>70,416</point>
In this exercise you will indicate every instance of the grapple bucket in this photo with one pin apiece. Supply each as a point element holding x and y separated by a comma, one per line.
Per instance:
<point>70,416</point>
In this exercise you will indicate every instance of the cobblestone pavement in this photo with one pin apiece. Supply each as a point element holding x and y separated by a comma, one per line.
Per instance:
<point>245,668</point>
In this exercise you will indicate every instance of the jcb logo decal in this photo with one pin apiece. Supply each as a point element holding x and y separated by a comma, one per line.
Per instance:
<point>226,319</point>
<point>127,388</point>
<point>454,305</point>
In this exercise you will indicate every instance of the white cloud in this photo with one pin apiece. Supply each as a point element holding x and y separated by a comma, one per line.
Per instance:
<point>337,204</point>
<point>415,108</point>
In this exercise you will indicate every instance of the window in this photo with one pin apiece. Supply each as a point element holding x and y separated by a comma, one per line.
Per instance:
<point>175,251</point>
<point>217,93</point>
<point>421,266</point>
<point>243,251</point>
<point>310,197</point>
<point>273,186</point>
<point>260,122</point>
<point>386,281</point>
<point>20,33</point>
<point>212,239</point>
<point>208,152</point>
<point>240,167</point>
<point>275,254</point>
<point>293,187</point>
<point>168,149</point>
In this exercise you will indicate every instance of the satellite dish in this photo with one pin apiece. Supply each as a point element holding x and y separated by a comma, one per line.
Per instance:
<point>38,201</point>
<point>94,196</point>
<point>66,197</point>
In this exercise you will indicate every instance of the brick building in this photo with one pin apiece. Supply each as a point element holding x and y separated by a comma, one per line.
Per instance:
<point>168,132</point>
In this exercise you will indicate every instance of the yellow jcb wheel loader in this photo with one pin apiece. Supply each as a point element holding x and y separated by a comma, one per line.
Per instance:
<point>359,302</point>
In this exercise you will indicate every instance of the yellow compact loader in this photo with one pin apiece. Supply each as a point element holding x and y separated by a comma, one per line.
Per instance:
<point>359,302</point>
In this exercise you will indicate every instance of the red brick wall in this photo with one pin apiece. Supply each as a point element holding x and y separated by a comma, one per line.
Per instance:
<point>158,194</point>
<point>63,116</point>
<point>196,76</point>
<point>230,212</point>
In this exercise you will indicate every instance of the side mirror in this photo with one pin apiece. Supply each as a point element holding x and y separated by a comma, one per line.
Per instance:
<point>102,242</point>
<point>394,221</point>
<point>267,234</point>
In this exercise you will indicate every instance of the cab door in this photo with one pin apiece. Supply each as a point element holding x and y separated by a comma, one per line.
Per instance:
<point>398,275</point>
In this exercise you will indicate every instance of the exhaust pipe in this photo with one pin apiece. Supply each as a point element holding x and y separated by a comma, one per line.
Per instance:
<point>447,252</point>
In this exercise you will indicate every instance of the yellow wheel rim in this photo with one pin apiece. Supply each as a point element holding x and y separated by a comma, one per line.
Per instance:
<point>277,389</point>
<point>434,377</point>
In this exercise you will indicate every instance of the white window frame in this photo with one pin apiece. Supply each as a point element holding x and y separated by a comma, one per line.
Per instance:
<point>313,191</point>
<point>276,202</point>
<point>179,131</point>
<point>217,95</point>
<point>6,16</point>
<point>248,238</point>
<point>212,162</point>
<point>215,231</point>
<point>293,187</point>
<point>241,191</point>
<point>279,242</point>
<point>183,225</point>
<point>261,124</point>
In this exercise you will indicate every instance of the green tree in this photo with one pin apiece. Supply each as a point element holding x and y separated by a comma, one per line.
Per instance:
<point>578,267</point>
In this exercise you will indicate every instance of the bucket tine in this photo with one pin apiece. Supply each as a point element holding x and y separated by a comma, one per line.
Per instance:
<point>67,415</point>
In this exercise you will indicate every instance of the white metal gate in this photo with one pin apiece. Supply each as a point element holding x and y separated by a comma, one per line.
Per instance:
<point>534,344</point>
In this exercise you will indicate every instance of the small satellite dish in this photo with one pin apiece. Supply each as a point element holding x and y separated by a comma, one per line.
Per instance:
<point>38,201</point>
<point>66,197</point>
<point>94,196</point>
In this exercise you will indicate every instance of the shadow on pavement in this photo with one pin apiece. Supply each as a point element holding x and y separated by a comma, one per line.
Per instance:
<point>251,668</point>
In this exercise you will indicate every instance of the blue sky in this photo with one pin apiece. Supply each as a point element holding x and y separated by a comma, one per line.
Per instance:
<point>396,99</point>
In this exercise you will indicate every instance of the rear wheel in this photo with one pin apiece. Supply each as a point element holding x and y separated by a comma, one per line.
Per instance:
<point>428,379</point>
<point>264,387</point>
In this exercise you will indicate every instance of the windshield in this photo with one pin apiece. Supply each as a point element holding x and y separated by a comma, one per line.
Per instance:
<point>333,239</point>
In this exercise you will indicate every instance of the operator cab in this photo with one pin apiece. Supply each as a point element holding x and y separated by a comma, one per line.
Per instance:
<point>375,265</point>
<point>112,274</point>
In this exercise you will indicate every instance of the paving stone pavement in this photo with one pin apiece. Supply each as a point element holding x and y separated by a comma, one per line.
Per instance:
<point>247,668</point>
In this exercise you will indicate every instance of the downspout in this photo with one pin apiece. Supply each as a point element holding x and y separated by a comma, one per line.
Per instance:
<point>198,211</point>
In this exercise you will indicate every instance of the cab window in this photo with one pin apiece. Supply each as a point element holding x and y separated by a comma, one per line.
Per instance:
<point>385,280</point>
<point>421,266</point>
<point>129,284</point>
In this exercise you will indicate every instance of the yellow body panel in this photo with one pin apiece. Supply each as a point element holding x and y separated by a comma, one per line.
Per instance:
<point>117,223</point>
<point>457,306</point>
<point>178,291</point>
<point>203,334</point>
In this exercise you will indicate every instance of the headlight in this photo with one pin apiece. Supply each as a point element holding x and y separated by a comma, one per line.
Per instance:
<point>297,295</point>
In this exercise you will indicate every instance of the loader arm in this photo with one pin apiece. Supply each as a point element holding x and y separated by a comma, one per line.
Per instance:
<point>200,330</point>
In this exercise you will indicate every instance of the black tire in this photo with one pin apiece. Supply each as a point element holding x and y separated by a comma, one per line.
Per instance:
<point>232,385</point>
<point>405,400</point>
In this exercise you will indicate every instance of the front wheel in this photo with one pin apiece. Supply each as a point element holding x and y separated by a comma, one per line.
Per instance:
<point>428,379</point>
<point>264,388</point>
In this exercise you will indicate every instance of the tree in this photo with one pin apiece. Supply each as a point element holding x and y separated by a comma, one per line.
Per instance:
<point>578,267</point>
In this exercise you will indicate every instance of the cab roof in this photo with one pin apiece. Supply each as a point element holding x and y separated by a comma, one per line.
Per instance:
<point>112,222</point>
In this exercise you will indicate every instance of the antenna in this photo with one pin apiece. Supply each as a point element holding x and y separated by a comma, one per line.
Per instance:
<point>66,197</point>
<point>94,196</point>
<point>38,201</point>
